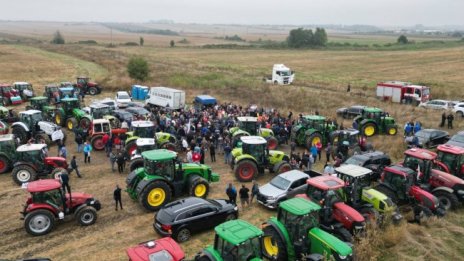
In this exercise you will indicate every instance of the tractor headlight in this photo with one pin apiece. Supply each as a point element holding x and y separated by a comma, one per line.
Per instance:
<point>461,192</point>
<point>92,202</point>
<point>342,257</point>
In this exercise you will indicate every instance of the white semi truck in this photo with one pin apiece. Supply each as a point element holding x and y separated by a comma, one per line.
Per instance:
<point>281,74</point>
<point>166,97</point>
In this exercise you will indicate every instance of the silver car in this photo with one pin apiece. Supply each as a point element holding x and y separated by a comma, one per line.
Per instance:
<point>282,187</point>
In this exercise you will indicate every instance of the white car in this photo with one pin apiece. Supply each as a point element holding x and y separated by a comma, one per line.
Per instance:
<point>122,99</point>
<point>459,109</point>
<point>437,104</point>
<point>108,101</point>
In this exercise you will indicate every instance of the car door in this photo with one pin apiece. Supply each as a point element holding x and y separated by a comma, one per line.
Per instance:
<point>203,218</point>
<point>297,187</point>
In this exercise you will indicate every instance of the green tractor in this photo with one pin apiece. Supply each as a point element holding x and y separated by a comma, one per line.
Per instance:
<point>295,234</point>
<point>41,103</point>
<point>70,114</point>
<point>254,157</point>
<point>102,111</point>
<point>375,121</point>
<point>164,177</point>
<point>311,130</point>
<point>248,126</point>
<point>235,240</point>
<point>146,129</point>
<point>7,152</point>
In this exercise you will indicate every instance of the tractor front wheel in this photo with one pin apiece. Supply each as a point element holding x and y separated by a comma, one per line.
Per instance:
<point>313,139</point>
<point>448,201</point>
<point>39,222</point>
<point>23,174</point>
<point>246,170</point>
<point>130,147</point>
<point>155,195</point>
<point>59,118</point>
<point>272,143</point>
<point>343,234</point>
<point>5,164</point>
<point>198,187</point>
<point>93,91</point>
<point>369,129</point>
<point>87,216</point>
<point>71,123</point>
<point>135,164</point>
<point>282,167</point>
<point>20,133</point>
<point>97,142</point>
<point>273,244</point>
<point>392,131</point>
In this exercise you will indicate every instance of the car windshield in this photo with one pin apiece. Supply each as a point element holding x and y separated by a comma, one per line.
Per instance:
<point>458,138</point>
<point>355,160</point>
<point>280,183</point>
<point>284,73</point>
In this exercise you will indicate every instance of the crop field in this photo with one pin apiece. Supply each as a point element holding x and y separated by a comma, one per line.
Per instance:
<point>232,75</point>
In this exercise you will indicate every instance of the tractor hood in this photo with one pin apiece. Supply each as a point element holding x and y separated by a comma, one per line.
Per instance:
<point>348,212</point>
<point>78,198</point>
<point>445,179</point>
<point>194,166</point>
<point>78,112</point>
<point>338,246</point>
<point>92,84</point>
<point>47,127</point>
<point>265,132</point>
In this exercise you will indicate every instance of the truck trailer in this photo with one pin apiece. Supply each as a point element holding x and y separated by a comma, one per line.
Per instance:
<point>166,97</point>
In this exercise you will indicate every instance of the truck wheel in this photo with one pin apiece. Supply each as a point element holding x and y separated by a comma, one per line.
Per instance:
<point>93,91</point>
<point>198,187</point>
<point>130,147</point>
<point>56,173</point>
<point>369,129</point>
<point>71,123</point>
<point>23,174</point>
<point>392,131</point>
<point>282,167</point>
<point>246,170</point>
<point>4,164</point>
<point>169,146</point>
<point>388,192</point>
<point>273,244</point>
<point>59,118</point>
<point>87,216</point>
<point>343,234</point>
<point>182,235</point>
<point>155,195</point>
<point>45,137</point>
<point>20,133</point>
<point>135,164</point>
<point>272,143</point>
<point>448,201</point>
<point>97,142</point>
<point>84,123</point>
<point>39,222</point>
<point>313,139</point>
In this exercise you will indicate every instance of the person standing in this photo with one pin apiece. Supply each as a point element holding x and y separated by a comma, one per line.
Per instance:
<point>227,151</point>
<point>63,151</point>
<point>117,197</point>
<point>189,155</point>
<point>231,193</point>
<point>443,119</point>
<point>120,160</point>
<point>292,146</point>
<point>75,167</point>
<point>244,196</point>
<point>328,151</point>
<point>313,151</point>
<point>450,120</point>
<point>348,88</point>
<point>202,155</point>
<point>64,178</point>
<point>79,141</point>
<point>254,190</point>
<point>319,150</point>
<point>112,160</point>
<point>106,141</point>
<point>87,150</point>
<point>212,152</point>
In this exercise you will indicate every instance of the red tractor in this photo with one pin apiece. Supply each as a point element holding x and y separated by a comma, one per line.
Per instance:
<point>399,184</point>
<point>97,129</point>
<point>450,159</point>
<point>447,188</point>
<point>32,163</point>
<point>84,84</point>
<point>336,217</point>
<point>48,203</point>
<point>162,249</point>
<point>10,95</point>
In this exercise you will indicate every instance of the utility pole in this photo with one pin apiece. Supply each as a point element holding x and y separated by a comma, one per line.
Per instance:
<point>111,33</point>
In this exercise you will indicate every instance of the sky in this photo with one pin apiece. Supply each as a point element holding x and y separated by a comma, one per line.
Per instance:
<point>367,12</point>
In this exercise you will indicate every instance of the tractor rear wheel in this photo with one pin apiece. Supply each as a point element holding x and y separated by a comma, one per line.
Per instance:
<point>169,146</point>
<point>93,91</point>
<point>343,234</point>
<point>57,172</point>
<point>155,195</point>
<point>23,174</point>
<point>59,118</point>
<point>71,123</point>
<point>448,201</point>
<point>246,170</point>
<point>39,222</point>
<point>282,167</point>
<point>272,143</point>
<point>5,164</point>
<point>20,133</point>
<point>392,130</point>
<point>369,129</point>
<point>84,123</point>
<point>313,139</point>
<point>130,147</point>
<point>97,142</point>
<point>198,187</point>
<point>135,164</point>
<point>273,244</point>
<point>87,216</point>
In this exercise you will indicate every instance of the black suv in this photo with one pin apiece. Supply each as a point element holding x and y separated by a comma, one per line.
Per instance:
<point>350,112</point>
<point>375,161</point>
<point>180,218</point>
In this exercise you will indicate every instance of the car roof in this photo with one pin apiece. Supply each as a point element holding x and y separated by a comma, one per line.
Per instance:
<point>161,154</point>
<point>353,170</point>
<point>43,185</point>
<point>30,147</point>
<point>371,154</point>
<point>142,124</point>
<point>123,92</point>
<point>326,182</point>
<point>237,231</point>
<point>98,105</point>
<point>253,140</point>
<point>293,175</point>
<point>178,206</point>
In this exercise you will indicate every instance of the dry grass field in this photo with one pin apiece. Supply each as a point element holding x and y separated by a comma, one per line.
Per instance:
<point>230,75</point>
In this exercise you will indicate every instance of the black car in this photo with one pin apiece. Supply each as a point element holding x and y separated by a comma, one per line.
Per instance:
<point>138,111</point>
<point>123,115</point>
<point>457,139</point>
<point>181,218</point>
<point>350,112</point>
<point>375,161</point>
<point>429,138</point>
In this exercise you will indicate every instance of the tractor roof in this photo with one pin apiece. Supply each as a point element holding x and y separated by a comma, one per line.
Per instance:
<point>354,171</point>
<point>159,155</point>
<point>372,109</point>
<point>421,154</point>
<point>83,77</point>
<point>21,83</point>
<point>237,231</point>
<point>351,131</point>
<point>255,140</point>
<point>145,141</point>
<point>69,99</point>
<point>43,185</point>
<point>451,149</point>
<point>326,182</point>
<point>299,206</point>
<point>30,112</point>
<point>98,105</point>
<point>99,121</point>
<point>5,85</point>
<point>314,117</point>
<point>161,249</point>
<point>6,137</point>
<point>37,98</point>
<point>30,147</point>
<point>141,124</point>
<point>247,119</point>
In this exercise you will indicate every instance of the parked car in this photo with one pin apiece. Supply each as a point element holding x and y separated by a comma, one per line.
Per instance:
<point>282,187</point>
<point>430,138</point>
<point>437,104</point>
<point>457,139</point>
<point>122,98</point>
<point>110,102</point>
<point>375,161</point>
<point>459,109</point>
<point>123,115</point>
<point>181,218</point>
<point>350,112</point>
<point>138,112</point>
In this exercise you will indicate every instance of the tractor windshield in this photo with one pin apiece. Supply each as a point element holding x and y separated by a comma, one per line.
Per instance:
<point>247,250</point>
<point>160,168</point>
<point>418,165</point>
<point>6,89</point>
<point>8,146</point>
<point>448,159</point>
<point>298,226</point>
<point>248,126</point>
<point>144,132</point>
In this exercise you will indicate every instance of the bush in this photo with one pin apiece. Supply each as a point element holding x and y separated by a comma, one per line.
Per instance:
<point>234,38</point>
<point>87,42</point>
<point>402,39</point>
<point>57,38</point>
<point>131,44</point>
<point>184,41</point>
<point>138,68</point>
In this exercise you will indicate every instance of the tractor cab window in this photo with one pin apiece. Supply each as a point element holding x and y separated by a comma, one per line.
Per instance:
<point>106,127</point>
<point>35,118</point>
<point>160,168</point>
<point>257,151</point>
<point>449,159</point>
<point>145,132</point>
<point>299,225</point>
<point>418,92</point>
<point>399,182</point>
<point>97,128</point>
<point>82,80</point>
<point>229,252</point>
<point>52,197</point>
<point>249,249</point>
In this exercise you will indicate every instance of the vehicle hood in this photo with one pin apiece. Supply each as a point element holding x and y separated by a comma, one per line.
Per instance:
<point>340,110</point>
<point>455,143</point>
<point>92,84</point>
<point>270,191</point>
<point>446,179</point>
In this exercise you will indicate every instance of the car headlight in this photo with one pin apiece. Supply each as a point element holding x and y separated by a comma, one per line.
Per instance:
<point>235,208</point>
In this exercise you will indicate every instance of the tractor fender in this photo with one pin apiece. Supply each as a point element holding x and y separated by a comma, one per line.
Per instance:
<point>47,127</point>
<point>266,133</point>
<point>76,211</point>
<point>283,233</point>
<point>36,206</point>
<point>445,189</point>
<point>309,132</point>
<point>330,243</point>
<point>365,121</point>
<point>22,125</point>
<point>442,166</point>
<point>24,163</point>
<point>144,182</point>
<point>243,157</point>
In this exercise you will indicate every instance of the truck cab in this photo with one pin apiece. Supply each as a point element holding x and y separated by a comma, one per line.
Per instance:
<point>281,75</point>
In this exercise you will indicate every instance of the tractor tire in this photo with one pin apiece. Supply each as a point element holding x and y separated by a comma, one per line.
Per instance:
<point>130,147</point>
<point>97,142</point>
<point>56,173</point>
<point>20,133</point>
<point>370,214</point>
<point>313,139</point>
<point>5,164</point>
<point>388,192</point>
<point>45,137</point>
<point>84,123</point>
<point>369,129</point>
<point>71,123</point>
<point>93,91</point>
<point>182,235</point>
<point>282,167</point>
<point>448,201</point>
<point>135,164</point>
<point>155,195</point>
<point>273,244</point>
<point>343,234</point>
<point>39,222</point>
<point>198,187</point>
<point>86,216</point>
<point>59,118</point>
<point>23,174</point>
<point>272,143</point>
<point>392,130</point>
<point>246,170</point>
<point>169,146</point>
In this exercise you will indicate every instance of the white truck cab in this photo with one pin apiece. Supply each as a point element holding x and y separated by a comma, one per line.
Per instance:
<point>281,75</point>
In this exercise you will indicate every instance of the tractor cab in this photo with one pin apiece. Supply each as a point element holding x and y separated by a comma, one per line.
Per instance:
<point>82,80</point>
<point>39,102</point>
<point>47,192</point>
<point>248,124</point>
<point>25,90</point>
<point>374,120</point>
<point>162,163</point>
<point>31,118</point>
<point>352,136</point>
<point>143,129</point>
<point>100,126</point>
<point>317,122</point>
<point>34,153</point>
<point>69,104</point>
<point>7,145</point>
<point>98,110</point>
<point>421,161</point>
<point>400,179</point>
<point>257,147</point>
<point>451,159</point>
<point>68,92</point>
<point>323,189</point>
<point>52,92</point>
<point>9,94</point>
<point>85,85</point>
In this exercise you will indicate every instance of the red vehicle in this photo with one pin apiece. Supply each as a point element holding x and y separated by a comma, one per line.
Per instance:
<point>47,204</point>
<point>447,188</point>
<point>403,92</point>
<point>84,84</point>
<point>162,249</point>
<point>10,95</point>
<point>450,159</point>
<point>98,128</point>
<point>336,217</point>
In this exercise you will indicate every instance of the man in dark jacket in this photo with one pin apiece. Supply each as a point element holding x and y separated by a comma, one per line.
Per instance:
<point>74,166</point>
<point>117,197</point>
<point>64,178</point>
<point>212,152</point>
<point>231,193</point>
<point>120,161</point>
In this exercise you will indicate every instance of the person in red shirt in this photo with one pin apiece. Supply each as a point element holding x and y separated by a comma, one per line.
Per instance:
<point>105,142</point>
<point>319,150</point>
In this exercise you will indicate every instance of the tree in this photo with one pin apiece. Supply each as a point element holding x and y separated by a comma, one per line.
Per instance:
<point>141,41</point>
<point>172,43</point>
<point>402,39</point>
<point>58,38</point>
<point>299,38</point>
<point>320,37</point>
<point>138,68</point>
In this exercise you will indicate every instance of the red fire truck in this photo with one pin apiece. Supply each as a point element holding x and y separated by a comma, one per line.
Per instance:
<point>403,92</point>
